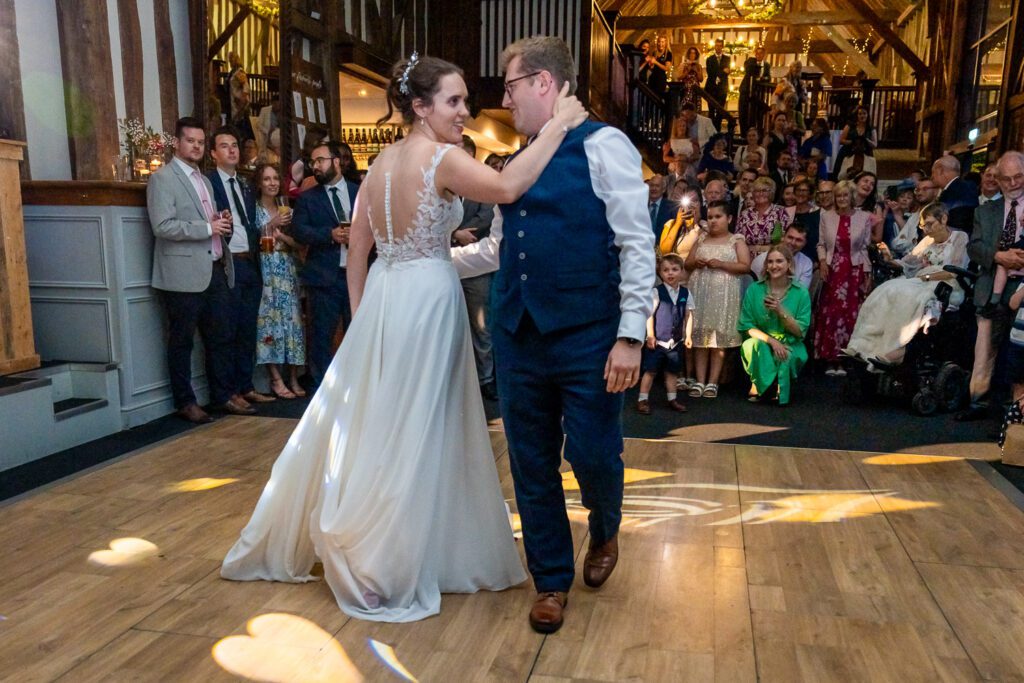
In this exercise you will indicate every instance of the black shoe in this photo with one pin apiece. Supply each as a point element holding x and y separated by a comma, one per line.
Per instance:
<point>973,413</point>
<point>489,391</point>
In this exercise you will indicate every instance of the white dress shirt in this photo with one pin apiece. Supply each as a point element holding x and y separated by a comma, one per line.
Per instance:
<point>803,267</point>
<point>346,203</point>
<point>617,180</point>
<point>239,243</point>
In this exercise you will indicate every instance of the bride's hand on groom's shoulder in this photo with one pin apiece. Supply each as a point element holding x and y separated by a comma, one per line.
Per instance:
<point>569,111</point>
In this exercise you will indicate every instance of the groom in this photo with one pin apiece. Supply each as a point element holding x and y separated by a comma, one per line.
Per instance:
<point>570,303</point>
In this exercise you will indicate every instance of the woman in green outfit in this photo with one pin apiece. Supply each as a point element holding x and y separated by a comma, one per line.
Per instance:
<point>775,316</point>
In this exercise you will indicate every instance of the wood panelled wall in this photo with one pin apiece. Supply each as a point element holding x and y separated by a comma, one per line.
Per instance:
<point>12,104</point>
<point>257,41</point>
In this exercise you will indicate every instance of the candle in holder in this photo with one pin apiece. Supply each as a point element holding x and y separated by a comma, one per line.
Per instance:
<point>155,164</point>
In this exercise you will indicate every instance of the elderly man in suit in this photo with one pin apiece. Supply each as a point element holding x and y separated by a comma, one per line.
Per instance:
<point>718,67</point>
<point>192,269</point>
<point>232,193</point>
<point>755,69</point>
<point>321,221</point>
<point>476,225</point>
<point>958,196</point>
<point>997,227</point>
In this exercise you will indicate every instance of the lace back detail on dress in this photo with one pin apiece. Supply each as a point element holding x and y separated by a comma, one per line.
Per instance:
<point>430,233</point>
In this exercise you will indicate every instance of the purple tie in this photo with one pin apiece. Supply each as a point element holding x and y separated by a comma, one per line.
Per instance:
<point>204,197</point>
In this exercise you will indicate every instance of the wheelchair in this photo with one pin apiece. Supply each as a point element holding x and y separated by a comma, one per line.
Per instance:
<point>936,369</point>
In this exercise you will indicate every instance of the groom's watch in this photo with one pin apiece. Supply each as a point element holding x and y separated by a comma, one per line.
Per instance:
<point>630,340</point>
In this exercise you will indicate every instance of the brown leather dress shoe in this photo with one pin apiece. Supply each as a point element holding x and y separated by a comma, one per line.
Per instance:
<point>194,414</point>
<point>236,407</point>
<point>643,407</point>
<point>256,397</point>
<point>599,562</point>
<point>675,405</point>
<point>546,614</point>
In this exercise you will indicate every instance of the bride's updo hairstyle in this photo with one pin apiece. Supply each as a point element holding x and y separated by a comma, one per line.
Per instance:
<point>416,78</point>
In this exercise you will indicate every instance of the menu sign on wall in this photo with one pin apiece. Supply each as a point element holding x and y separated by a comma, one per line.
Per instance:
<point>309,102</point>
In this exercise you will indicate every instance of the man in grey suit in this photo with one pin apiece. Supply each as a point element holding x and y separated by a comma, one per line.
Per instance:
<point>192,273</point>
<point>476,225</point>
<point>997,228</point>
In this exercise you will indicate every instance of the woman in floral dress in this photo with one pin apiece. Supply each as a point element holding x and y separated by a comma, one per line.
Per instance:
<point>845,269</point>
<point>762,221</point>
<point>279,330</point>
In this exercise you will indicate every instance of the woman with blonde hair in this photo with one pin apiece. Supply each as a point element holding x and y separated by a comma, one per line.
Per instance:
<point>775,315</point>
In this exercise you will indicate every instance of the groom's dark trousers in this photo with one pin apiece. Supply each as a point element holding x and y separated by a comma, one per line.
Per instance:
<point>556,317</point>
<point>549,383</point>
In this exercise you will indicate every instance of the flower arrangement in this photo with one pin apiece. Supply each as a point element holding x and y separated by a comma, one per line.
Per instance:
<point>143,141</point>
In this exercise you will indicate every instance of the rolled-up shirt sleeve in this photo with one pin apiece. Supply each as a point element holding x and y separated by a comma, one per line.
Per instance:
<point>618,181</point>
<point>482,256</point>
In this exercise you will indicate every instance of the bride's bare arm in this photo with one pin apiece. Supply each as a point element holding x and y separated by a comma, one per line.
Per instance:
<point>464,176</point>
<point>360,242</point>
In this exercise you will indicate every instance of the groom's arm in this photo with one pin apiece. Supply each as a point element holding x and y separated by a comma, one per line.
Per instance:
<point>481,257</point>
<point>618,181</point>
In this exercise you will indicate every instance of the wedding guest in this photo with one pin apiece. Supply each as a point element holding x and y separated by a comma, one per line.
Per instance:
<point>782,173</point>
<point>925,192</point>
<point>859,129</point>
<point>741,196</point>
<point>659,207</point>
<point>759,222</point>
<point>281,344</point>
<point>795,78</point>
<point>774,318</point>
<point>818,146</point>
<point>755,69</point>
<point>691,73</point>
<point>716,158</point>
<point>959,196</point>
<point>716,264</point>
<point>495,161</point>
<point>844,267</point>
<point>742,153</point>
<point>801,266</point>
<point>668,332</point>
<point>718,67</point>
<point>660,62</point>
<point>789,198</point>
<point>866,199</point>
<point>679,232</point>
<point>989,185</point>
<point>776,140</point>
<point>807,215</point>
<point>644,72</point>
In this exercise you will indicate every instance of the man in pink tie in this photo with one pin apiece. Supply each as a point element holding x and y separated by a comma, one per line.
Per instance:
<point>191,273</point>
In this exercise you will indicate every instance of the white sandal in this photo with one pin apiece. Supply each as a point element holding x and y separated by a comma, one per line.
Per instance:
<point>710,391</point>
<point>696,390</point>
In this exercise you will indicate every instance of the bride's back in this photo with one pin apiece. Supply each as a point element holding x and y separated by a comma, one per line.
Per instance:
<point>408,217</point>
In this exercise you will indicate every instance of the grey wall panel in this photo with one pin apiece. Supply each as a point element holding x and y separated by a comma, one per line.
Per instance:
<point>66,251</point>
<point>72,329</point>
<point>137,264</point>
<point>146,361</point>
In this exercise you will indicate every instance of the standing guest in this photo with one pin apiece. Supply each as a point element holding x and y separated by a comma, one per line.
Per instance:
<point>925,192</point>
<point>668,330</point>
<point>322,219</point>
<point>844,267</point>
<point>866,199</point>
<point>716,158</point>
<point>716,264</point>
<point>659,208</point>
<point>692,127</point>
<point>775,315</point>
<point>644,72</point>
<point>795,78</point>
<point>818,147</point>
<point>660,62</point>
<point>755,69</point>
<point>764,219</point>
<point>272,154</point>
<point>677,233</point>
<point>810,220</point>
<point>803,193</point>
<point>860,129</point>
<point>691,73</point>
<point>495,161</point>
<point>777,139</point>
<point>753,146</point>
<point>782,173</point>
<point>194,273</point>
<point>741,196</point>
<point>801,266</point>
<point>280,340</point>
<point>476,225</point>
<point>238,87</point>
<point>958,196</point>
<point>231,193</point>
<point>989,185</point>
<point>997,227</point>
<point>789,199</point>
<point>825,196</point>
<point>718,67</point>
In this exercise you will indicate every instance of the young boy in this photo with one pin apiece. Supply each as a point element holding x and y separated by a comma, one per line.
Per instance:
<point>667,330</point>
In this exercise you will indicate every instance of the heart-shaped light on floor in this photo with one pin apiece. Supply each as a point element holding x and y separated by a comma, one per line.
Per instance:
<point>200,484</point>
<point>284,647</point>
<point>390,658</point>
<point>123,552</point>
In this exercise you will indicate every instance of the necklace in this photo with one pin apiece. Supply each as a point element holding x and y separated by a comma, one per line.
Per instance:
<point>777,293</point>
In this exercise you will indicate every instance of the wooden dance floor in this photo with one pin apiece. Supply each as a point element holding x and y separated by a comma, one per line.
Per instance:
<point>738,563</point>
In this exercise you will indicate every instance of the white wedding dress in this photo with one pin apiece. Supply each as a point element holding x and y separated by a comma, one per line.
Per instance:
<point>389,478</point>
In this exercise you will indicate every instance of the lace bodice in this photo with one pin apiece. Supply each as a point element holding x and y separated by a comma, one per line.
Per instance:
<point>429,236</point>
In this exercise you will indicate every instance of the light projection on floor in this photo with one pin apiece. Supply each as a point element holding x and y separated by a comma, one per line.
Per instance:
<point>386,653</point>
<point>908,459</point>
<point>124,552</point>
<point>283,647</point>
<point>200,484</point>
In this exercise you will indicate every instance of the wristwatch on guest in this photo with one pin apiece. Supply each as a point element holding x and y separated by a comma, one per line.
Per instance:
<point>630,340</point>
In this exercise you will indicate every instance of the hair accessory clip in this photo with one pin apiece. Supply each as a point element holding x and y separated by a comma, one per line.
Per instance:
<point>403,82</point>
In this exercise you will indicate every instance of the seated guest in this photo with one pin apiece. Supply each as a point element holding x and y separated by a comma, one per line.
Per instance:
<point>802,266</point>
<point>742,156</point>
<point>775,315</point>
<point>679,233</point>
<point>782,174</point>
<point>857,160</point>
<point>763,219</point>
<point>899,205</point>
<point>818,146</point>
<point>668,330</point>
<point>755,162</point>
<point>716,158</point>
<point>989,185</point>
<point>808,213</point>
<point>897,309</point>
<point>714,191</point>
<point>925,192</point>
<point>958,196</point>
<point>280,335</point>
<point>789,198</point>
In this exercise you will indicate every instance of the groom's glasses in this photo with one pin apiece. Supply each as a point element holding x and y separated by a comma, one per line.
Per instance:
<point>509,84</point>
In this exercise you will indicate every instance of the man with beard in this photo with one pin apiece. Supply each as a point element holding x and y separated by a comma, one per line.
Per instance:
<point>321,221</point>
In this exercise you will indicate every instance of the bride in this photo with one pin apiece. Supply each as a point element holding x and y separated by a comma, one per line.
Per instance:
<point>389,478</point>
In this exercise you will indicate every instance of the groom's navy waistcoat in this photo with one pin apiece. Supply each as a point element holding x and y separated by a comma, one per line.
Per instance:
<point>558,258</point>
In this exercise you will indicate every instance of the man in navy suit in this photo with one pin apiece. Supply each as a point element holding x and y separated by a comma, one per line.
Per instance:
<point>718,67</point>
<point>231,192</point>
<point>659,208</point>
<point>322,218</point>
<point>568,324</point>
<point>958,196</point>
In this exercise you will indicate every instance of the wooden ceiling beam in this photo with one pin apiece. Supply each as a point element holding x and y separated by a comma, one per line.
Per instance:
<point>857,59</point>
<point>697,21</point>
<point>885,31</point>
<point>901,21</point>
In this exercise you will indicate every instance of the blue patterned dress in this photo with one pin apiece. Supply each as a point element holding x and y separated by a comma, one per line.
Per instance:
<point>279,331</point>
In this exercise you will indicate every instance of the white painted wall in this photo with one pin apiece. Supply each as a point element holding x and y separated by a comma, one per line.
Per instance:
<point>42,77</point>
